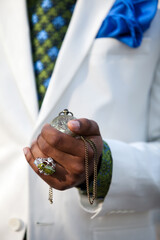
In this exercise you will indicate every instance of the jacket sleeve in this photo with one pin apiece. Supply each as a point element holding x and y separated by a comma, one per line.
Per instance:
<point>135,182</point>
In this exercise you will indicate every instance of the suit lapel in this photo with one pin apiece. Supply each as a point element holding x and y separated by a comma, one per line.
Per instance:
<point>86,20</point>
<point>14,33</point>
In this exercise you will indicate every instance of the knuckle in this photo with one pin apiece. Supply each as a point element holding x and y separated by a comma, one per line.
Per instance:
<point>33,145</point>
<point>44,146</point>
<point>56,141</point>
<point>72,181</point>
<point>95,124</point>
<point>87,123</point>
<point>77,169</point>
<point>44,130</point>
<point>95,127</point>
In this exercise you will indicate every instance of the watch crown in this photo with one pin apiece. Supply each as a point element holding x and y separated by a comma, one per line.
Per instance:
<point>65,112</point>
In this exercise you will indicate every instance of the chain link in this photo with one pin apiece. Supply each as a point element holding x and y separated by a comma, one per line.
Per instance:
<point>95,159</point>
<point>50,197</point>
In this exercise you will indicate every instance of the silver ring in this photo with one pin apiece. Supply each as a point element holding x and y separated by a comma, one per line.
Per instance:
<point>47,166</point>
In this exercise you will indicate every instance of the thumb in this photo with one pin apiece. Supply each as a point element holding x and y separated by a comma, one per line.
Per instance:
<point>84,127</point>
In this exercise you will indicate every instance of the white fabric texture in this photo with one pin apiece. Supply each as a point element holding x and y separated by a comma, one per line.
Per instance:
<point>100,79</point>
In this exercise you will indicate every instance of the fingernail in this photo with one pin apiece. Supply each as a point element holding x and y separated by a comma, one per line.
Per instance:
<point>25,150</point>
<point>75,124</point>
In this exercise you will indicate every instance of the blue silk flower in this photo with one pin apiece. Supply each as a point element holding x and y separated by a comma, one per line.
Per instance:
<point>128,20</point>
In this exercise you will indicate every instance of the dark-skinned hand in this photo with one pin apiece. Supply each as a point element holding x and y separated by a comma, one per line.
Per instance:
<point>67,151</point>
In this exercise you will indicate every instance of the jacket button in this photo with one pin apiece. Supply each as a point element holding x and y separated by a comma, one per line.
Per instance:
<point>16,224</point>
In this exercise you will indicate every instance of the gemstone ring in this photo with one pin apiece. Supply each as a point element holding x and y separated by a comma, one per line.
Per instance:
<point>47,166</point>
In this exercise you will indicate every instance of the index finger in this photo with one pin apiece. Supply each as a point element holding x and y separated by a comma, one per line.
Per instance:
<point>62,141</point>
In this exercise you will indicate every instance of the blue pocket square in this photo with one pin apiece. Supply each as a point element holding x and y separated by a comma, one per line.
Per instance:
<point>127,20</point>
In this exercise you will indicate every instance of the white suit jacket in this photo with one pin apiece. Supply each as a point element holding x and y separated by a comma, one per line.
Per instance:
<point>100,79</point>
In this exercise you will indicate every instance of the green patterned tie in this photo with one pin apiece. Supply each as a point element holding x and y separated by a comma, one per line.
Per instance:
<point>49,20</point>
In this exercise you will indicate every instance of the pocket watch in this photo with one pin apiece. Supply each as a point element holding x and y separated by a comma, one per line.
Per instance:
<point>60,122</point>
